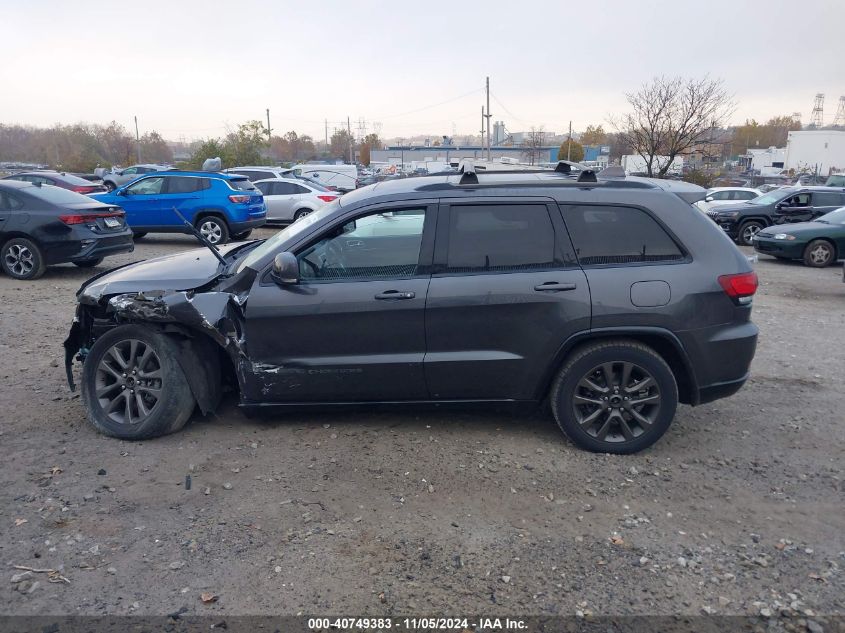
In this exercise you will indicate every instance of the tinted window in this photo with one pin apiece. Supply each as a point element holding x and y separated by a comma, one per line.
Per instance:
<point>146,187</point>
<point>500,237</point>
<point>255,175</point>
<point>284,188</point>
<point>827,199</point>
<point>720,195</point>
<point>297,189</point>
<point>379,245</point>
<point>183,184</point>
<point>265,187</point>
<point>241,184</point>
<point>618,235</point>
<point>745,195</point>
<point>129,171</point>
<point>56,195</point>
<point>8,202</point>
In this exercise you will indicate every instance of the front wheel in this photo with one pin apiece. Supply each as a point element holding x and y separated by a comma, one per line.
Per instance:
<point>137,235</point>
<point>242,235</point>
<point>110,186</point>
<point>214,229</point>
<point>133,387</point>
<point>22,259</point>
<point>615,397</point>
<point>747,232</point>
<point>819,253</point>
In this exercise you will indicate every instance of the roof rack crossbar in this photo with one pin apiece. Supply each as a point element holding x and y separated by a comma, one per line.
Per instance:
<point>468,175</point>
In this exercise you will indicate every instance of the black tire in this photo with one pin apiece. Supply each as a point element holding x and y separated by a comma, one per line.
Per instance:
<point>214,228</point>
<point>22,259</point>
<point>606,408</point>
<point>819,253</point>
<point>138,235</point>
<point>242,235</point>
<point>90,263</point>
<point>301,213</point>
<point>158,384</point>
<point>110,186</point>
<point>747,231</point>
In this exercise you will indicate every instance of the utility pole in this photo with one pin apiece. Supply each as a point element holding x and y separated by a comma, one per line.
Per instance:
<point>137,140</point>
<point>482,131</point>
<point>327,135</point>
<point>569,143</point>
<point>268,125</point>
<point>488,115</point>
<point>351,149</point>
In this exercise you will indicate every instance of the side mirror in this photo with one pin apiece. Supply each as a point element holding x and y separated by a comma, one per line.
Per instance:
<point>708,199</point>
<point>780,205</point>
<point>285,269</point>
<point>122,192</point>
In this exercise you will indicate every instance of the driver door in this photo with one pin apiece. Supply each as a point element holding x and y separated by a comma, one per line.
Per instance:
<point>142,202</point>
<point>352,329</point>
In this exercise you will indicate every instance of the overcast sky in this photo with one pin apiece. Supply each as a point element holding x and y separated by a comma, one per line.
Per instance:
<point>192,68</point>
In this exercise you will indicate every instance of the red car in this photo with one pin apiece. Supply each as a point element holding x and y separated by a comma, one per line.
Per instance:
<point>59,179</point>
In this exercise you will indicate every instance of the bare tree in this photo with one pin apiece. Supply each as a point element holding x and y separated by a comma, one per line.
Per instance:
<point>531,144</point>
<point>671,116</point>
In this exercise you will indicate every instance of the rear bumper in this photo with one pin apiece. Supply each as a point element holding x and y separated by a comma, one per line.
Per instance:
<point>721,357</point>
<point>77,250</point>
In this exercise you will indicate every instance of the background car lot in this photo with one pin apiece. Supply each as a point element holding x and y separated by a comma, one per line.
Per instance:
<point>401,511</point>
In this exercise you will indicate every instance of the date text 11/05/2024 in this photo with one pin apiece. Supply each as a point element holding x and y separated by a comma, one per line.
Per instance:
<point>416,624</point>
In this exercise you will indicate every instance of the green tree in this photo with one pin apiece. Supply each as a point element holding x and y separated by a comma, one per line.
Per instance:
<point>211,148</point>
<point>155,149</point>
<point>594,135</point>
<point>246,145</point>
<point>576,154</point>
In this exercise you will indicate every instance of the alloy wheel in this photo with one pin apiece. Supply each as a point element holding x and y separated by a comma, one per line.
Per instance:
<point>616,401</point>
<point>821,254</point>
<point>129,381</point>
<point>749,232</point>
<point>211,231</point>
<point>19,259</point>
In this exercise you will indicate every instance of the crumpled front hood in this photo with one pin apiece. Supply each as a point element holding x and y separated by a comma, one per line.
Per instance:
<point>181,271</point>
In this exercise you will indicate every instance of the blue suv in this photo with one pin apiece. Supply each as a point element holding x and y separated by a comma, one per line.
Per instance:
<point>221,206</point>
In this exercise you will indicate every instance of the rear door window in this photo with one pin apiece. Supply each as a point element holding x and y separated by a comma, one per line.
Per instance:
<point>608,235</point>
<point>500,237</point>
<point>183,184</point>
<point>8,202</point>
<point>825,199</point>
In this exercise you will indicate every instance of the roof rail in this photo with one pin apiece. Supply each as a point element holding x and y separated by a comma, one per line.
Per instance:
<point>565,166</point>
<point>468,175</point>
<point>588,175</point>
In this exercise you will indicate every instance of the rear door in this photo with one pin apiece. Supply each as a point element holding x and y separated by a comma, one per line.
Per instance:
<point>184,193</point>
<point>825,202</point>
<point>506,292</point>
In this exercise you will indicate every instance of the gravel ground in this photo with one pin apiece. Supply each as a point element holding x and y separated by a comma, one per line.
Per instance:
<point>737,510</point>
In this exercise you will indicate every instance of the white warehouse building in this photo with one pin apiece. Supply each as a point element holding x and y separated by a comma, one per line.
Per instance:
<point>817,151</point>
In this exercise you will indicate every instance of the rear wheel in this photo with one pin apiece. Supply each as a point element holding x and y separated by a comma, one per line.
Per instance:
<point>242,235</point>
<point>90,263</point>
<point>137,235</point>
<point>615,397</point>
<point>819,253</point>
<point>110,186</point>
<point>301,214</point>
<point>747,231</point>
<point>22,259</point>
<point>132,385</point>
<point>214,229</point>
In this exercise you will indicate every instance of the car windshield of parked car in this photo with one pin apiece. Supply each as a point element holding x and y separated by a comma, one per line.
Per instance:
<point>56,195</point>
<point>834,217</point>
<point>314,184</point>
<point>272,244</point>
<point>769,198</point>
<point>241,184</point>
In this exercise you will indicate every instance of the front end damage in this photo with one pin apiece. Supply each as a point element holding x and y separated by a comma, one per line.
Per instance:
<point>207,326</point>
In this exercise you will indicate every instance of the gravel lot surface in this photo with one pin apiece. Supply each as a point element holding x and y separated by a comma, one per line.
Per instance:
<point>739,509</point>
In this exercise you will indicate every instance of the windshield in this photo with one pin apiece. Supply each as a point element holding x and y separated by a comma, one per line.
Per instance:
<point>56,195</point>
<point>271,245</point>
<point>771,198</point>
<point>834,217</point>
<point>314,184</point>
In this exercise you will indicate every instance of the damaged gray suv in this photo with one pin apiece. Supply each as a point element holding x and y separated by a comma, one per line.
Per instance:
<point>613,299</point>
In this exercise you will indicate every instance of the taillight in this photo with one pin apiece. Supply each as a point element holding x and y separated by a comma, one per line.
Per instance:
<point>740,287</point>
<point>239,199</point>
<point>87,218</point>
<point>327,198</point>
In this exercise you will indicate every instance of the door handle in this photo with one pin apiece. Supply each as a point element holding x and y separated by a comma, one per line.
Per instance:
<point>394,295</point>
<point>553,286</point>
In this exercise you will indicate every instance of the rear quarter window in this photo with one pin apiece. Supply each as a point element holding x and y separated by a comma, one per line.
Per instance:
<point>605,235</point>
<point>241,184</point>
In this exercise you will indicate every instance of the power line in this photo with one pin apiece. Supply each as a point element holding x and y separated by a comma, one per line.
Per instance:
<point>433,105</point>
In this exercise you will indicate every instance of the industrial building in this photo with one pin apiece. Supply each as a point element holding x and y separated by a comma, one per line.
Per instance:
<point>816,151</point>
<point>414,154</point>
<point>766,162</point>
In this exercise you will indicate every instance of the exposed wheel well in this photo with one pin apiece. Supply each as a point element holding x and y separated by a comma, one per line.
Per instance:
<point>664,346</point>
<point>204,213</point>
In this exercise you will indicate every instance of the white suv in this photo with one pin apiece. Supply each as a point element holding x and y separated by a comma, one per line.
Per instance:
<point>289,199</point>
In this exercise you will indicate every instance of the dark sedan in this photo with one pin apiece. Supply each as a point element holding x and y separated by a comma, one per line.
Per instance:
<point>42,225</point>
<point>59,179</point>
<point>818,243</point>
